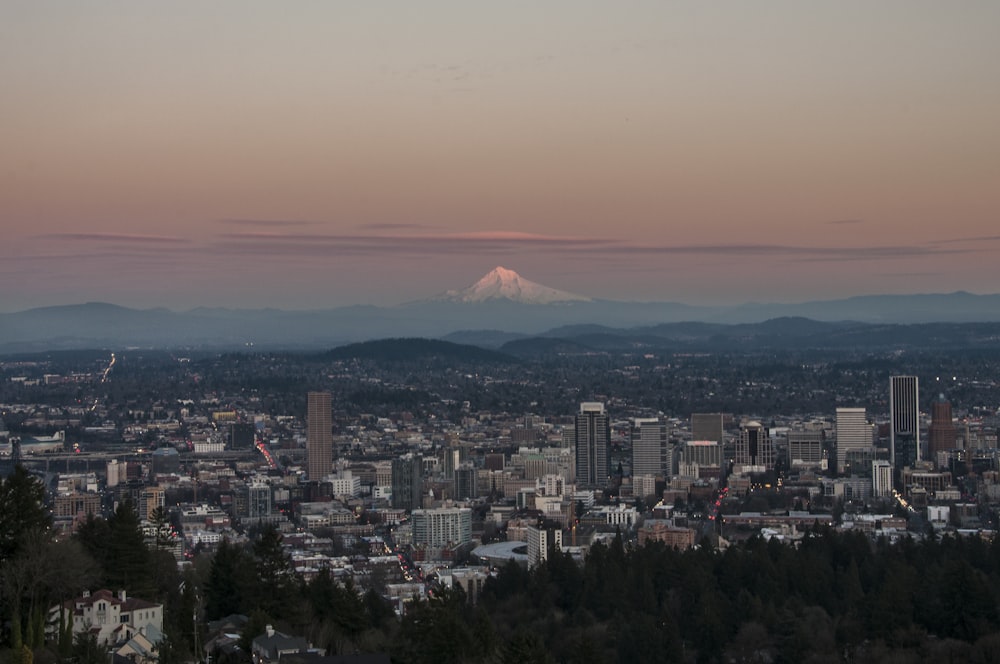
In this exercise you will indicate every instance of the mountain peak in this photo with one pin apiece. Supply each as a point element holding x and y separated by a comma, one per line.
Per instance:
<point>503,284</point>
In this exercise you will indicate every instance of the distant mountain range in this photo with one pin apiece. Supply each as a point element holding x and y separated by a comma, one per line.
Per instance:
<point>499,308</point>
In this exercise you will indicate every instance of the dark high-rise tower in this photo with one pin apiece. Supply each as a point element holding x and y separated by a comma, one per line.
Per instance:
<point>466,481</point>
<point>904,416</point>
<point>754,447</point>
<point>319,436</point>
<point>241,435</point>
<point>706,426</point>
<point>593,445</point>
<point>942,433</point>
<point>407,482</point>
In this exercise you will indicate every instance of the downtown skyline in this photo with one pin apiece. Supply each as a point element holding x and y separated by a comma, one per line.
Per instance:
<point>245,155</point>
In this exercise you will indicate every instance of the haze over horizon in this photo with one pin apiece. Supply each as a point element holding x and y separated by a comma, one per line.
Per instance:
<point>538,294</point>
<point>246,154</point>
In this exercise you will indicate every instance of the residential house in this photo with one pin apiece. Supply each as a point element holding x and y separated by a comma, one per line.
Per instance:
<point>112,619</point>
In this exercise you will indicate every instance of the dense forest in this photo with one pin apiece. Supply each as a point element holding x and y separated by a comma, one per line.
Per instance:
<point>834,597</point>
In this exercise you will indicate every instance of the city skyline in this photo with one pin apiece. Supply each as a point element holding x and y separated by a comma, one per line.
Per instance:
<point>244,155</point>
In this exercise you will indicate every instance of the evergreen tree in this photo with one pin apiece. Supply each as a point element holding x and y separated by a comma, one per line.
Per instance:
<point>86,650</point>
<point>277,585</point>
<point>160,522</point>
<point>435,631</point>
<point>128,557</point>
<point>525,648</point>
<point>168,651</point>
<point>254,627</point>
<point>379,611</point>
<point>94,535</point>
<point>22,510</point>
<point>230,582</point>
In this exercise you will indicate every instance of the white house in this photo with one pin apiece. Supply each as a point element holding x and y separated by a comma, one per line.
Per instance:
<point>111,618</point>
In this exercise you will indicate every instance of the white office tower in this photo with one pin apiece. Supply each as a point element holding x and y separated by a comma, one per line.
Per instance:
<point>881,478</point>
<point>539,541</point>
<point>853,434</point>
<point>651,453</point>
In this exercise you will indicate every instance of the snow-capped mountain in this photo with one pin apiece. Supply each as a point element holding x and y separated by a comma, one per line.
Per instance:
<point>503,284</point>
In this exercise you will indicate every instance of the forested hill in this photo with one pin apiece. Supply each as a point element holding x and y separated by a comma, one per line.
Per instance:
<point>399,350</point>
<point>836,596</point>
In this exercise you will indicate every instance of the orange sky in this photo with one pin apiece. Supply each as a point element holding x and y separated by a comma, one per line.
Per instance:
<point>315,154</point>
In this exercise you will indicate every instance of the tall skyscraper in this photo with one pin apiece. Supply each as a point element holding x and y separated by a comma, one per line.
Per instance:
<point>706,426</point>
<point>407,482</point>
<point>319,436</point>
<point>593,445</point>
<point>466,481</point>
<point>651,452</point>
<point>904,416</point>
<point>942,433</point>
<point>754,447</point>
<point>853,434</point>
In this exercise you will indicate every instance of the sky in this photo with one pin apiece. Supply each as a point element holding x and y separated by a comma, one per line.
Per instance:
<point>316,154</point>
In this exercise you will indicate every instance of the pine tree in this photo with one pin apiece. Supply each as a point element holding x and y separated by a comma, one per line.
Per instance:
<point>94,535</point>
<point>86,650</point>
<point>128,558</point>
<point>230,582</point>
<point>22,510</point>
<point>277,585</point>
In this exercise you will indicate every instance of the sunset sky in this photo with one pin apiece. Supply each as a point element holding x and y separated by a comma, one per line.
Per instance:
<point>313,154</point>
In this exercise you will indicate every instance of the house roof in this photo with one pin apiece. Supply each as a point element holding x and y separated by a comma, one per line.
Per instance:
<point>105,595</point>
<point>234,622</point>
<point>134,603</point>
<point>277,643</point>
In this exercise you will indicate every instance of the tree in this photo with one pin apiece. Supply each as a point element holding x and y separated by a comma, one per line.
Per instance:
<point>93,534</point>
<point>378,610</point>
<point>41,574</point>
<point>276,584</point>
<point>253,628</point>
<point>86,650</point>
<point>435,631</point>
<point>338,611</point>
<point>160,521</point>
<point>525,647</point>
<point>22,510</point>
<point>169,652</point>
<point>230,582</point>
<point>128,558</point>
